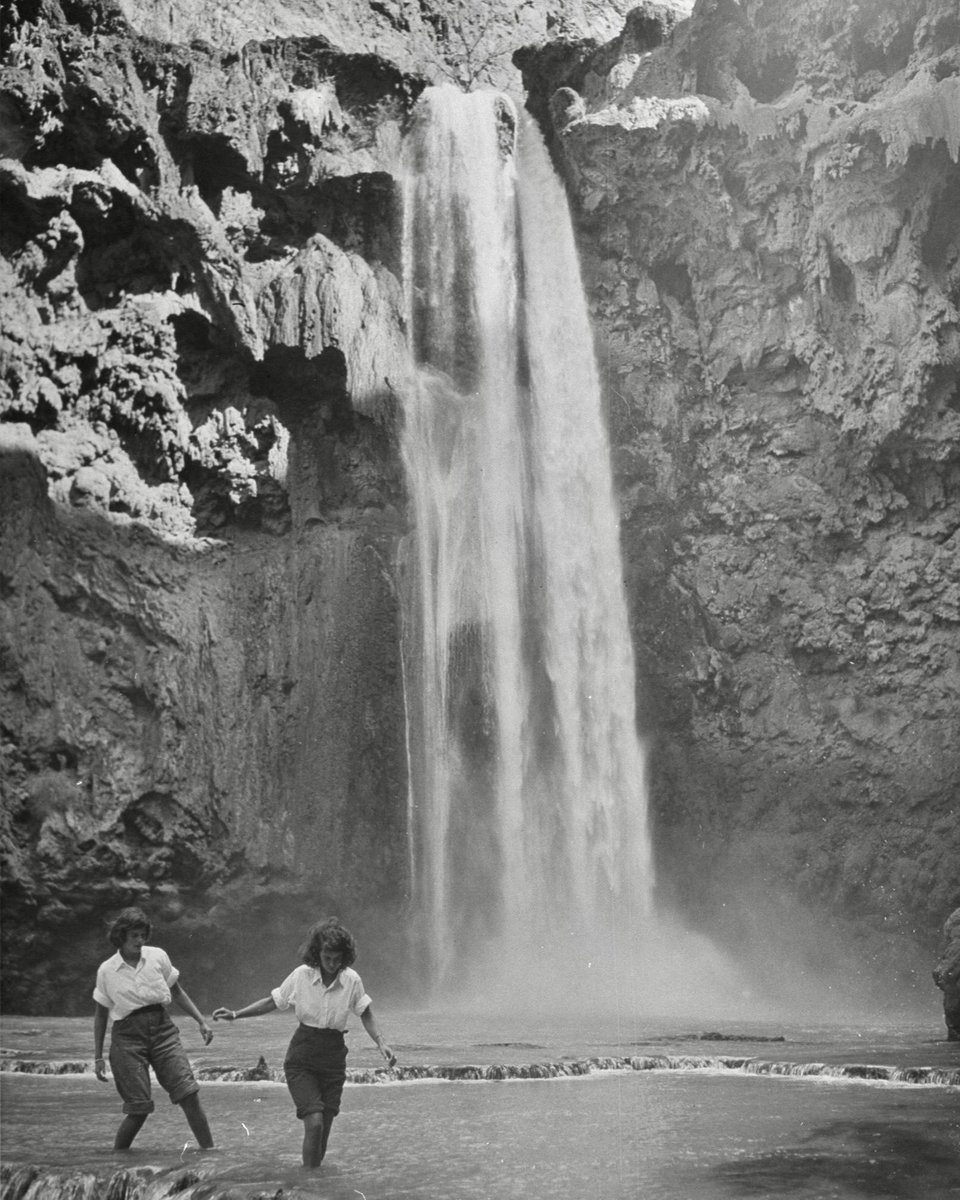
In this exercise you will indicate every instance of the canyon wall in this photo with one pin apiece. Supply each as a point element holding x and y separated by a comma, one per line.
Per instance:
<point>202,346</point>
<point>768,196</point>
<point>202,702</point>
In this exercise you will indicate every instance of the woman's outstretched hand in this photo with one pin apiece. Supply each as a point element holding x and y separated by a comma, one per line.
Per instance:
<point>224,1014</point>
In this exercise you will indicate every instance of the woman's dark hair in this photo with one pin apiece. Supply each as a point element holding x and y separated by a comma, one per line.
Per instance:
<point>129,918</point>
<point>334,936</point>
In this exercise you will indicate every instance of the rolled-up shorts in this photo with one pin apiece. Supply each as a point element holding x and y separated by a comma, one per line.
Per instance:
<point>144,1039</point>
<point>315,1068</point>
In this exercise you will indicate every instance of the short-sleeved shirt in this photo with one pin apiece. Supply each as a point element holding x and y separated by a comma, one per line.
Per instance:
<point>319,1005</point>
<point>122,988</point>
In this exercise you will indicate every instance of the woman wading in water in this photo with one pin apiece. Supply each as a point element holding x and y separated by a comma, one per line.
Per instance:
<point>323,991</point>
<point>133,990</point>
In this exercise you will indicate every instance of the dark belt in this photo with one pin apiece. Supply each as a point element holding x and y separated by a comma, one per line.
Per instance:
<point>146,1008</point>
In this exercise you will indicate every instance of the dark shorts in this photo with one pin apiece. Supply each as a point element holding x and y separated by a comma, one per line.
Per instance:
<point>315,1068</point>
<point>143,1040</point>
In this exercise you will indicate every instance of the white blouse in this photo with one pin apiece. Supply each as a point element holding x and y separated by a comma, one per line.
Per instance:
<point>323,1007</point>
<point>122,988</point>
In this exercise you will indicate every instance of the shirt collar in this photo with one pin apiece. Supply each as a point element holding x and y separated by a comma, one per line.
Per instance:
<point>119,962</point>
<point>317,977</point>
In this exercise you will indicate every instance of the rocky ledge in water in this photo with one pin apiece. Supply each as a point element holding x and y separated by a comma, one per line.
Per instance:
<point>550,1069</point>
<point>138,1183</point>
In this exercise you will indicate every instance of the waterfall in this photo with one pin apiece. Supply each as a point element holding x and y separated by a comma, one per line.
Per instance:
<point>527,789</point>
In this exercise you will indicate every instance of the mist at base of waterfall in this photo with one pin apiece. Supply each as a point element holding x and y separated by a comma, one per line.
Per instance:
<point>661,970</point>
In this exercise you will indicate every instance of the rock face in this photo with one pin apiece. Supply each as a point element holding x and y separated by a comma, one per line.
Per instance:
<point>201,336</point>
<point>456,40</point>
<point>202,342</point>
<point>768,199</point>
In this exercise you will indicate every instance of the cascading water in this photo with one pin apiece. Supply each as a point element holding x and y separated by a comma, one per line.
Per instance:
<point>528,805</point>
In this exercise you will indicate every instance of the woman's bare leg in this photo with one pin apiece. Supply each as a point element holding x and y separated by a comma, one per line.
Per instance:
<point>129,1127</point>
<point>327,1122</point>
<point>312,1140</point>
<point>197,1120</point>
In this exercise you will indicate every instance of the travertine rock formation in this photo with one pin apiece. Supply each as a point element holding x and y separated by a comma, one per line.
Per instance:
<point>202,339</point>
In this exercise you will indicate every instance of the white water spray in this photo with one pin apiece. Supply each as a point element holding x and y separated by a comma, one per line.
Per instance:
<point>528,798</point>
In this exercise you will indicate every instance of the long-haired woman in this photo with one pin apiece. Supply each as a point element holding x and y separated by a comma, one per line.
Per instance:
<point>323,991</point>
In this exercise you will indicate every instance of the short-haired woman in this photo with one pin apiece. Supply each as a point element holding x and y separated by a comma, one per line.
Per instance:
<point>323,991</point>
<point>133,988</point>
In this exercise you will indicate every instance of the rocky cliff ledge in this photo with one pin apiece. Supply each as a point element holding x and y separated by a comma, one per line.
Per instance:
<point>202,339</point>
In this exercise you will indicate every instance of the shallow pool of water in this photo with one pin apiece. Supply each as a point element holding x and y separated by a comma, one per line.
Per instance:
<point>703,1134</point>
